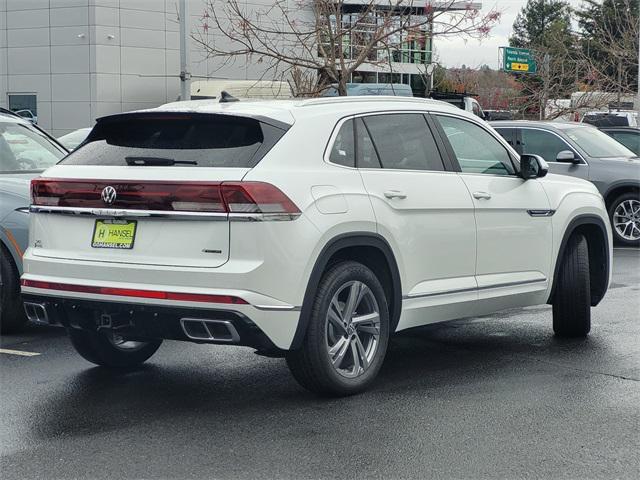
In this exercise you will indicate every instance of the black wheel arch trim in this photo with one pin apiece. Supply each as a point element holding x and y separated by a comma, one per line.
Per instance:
<point>621,184</point>
<point>354,239</point>
<point>574,224</point>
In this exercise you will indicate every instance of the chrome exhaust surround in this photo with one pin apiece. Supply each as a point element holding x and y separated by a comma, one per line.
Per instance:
<point>205,330</point>
<point>37,313</point>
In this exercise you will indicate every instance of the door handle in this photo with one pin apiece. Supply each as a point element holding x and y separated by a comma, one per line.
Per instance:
<point>395,194</point>
<point>481,195</point>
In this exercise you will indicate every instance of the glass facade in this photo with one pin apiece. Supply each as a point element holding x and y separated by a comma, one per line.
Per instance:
<point>410,43</point>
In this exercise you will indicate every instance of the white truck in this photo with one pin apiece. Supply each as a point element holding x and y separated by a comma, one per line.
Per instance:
<point>464,101</point>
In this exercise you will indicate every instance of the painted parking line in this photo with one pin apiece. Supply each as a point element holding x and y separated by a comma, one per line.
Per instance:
<point>627,248</point>
<point>18,352</point>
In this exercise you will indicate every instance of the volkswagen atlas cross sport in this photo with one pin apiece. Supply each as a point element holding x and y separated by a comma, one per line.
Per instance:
<point>306,229</point>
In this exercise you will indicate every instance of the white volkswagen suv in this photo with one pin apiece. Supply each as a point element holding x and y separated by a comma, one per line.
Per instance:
<point>308,229</point>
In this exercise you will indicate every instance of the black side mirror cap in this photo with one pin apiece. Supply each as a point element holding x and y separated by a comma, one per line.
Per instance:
<point>532,166</point>
<point>567,156</point>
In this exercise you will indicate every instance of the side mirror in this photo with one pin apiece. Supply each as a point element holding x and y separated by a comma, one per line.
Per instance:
<point>567,156</point>
<point>532,166</point>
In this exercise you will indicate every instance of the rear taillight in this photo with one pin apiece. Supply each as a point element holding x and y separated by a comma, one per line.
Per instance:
<point>256,197</point>
<point>212,197</point>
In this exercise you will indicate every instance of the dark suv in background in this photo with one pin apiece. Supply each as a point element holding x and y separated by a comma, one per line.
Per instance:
<point>584,151</point>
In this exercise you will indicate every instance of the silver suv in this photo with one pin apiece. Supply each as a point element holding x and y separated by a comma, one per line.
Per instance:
<point>585,152</point>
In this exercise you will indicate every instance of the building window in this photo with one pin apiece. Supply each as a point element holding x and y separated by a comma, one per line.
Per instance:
<point>411,44</point>
<point>25,105</point>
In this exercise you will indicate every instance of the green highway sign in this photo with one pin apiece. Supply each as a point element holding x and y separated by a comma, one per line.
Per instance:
<point>518,60</point>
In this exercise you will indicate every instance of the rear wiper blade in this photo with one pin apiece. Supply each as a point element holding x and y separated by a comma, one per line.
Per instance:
<point>157,161</point>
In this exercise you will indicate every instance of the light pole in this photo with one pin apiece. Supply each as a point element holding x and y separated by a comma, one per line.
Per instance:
<point>185,75</point>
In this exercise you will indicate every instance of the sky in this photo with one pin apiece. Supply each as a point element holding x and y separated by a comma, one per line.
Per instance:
<point>474,53</point>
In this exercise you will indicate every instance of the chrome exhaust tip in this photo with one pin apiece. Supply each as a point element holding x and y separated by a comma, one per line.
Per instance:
<point>205,330</point>
<point>37,313</point>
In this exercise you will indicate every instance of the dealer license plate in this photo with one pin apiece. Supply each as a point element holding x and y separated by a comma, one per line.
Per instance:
<point>118,234</point>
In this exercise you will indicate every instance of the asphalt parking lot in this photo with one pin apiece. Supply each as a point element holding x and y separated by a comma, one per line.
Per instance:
<point>490,397</point>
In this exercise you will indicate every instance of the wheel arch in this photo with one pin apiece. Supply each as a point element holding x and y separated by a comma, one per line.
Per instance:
<point>11,246</point>
<point>594,229</point>
<point>370,249</point>
<point>618,188</point>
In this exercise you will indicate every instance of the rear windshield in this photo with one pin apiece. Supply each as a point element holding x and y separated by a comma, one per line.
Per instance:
<point>183,140</point>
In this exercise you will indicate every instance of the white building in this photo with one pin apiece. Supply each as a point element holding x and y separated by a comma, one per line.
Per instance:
<point>72,61</point>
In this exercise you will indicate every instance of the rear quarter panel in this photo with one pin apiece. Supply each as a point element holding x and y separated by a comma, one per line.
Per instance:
<point>610,174</point>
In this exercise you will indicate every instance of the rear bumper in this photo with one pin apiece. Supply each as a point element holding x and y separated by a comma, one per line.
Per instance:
<point>275,320</point>
<point>145,321</point>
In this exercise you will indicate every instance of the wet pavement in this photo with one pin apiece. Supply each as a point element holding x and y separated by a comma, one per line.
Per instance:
<point>490,397</point>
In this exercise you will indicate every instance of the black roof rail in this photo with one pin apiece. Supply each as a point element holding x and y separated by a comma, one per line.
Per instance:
<point>437,94</point>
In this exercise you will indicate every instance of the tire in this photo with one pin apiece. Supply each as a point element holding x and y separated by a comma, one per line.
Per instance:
<point>12,316</point>
<point>101,349</point>
<point>572,300</point>
<point>625,211</point>
<point>328,339</point>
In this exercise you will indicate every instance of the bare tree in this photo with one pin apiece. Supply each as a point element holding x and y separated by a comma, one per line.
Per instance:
<point>610,42</point>
<point>316,43</point>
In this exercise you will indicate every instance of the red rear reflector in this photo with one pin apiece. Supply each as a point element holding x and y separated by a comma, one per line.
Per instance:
<point>216,197</point>
<point>128,292</point>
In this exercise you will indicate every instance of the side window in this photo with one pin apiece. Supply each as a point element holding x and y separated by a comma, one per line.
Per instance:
<point>404,141</point>
<point>343,150</point>
<point>508,134</point>
<point>629,140</point>
<point>545,144</point>
<point>366,155</point>
<point>476,109</point>
<point>476,149</point>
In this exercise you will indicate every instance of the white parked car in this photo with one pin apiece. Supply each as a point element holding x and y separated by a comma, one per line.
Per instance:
<point>72,140</point>
<point>308,229</point>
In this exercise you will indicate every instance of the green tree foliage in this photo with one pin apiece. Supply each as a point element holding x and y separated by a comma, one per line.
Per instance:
<point>609,43</point>
<point>544,27</point>
<point>531,28</point>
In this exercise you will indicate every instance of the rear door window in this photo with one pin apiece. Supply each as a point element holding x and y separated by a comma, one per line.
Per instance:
<point>366,155</point>
<point>404,141</point>
<point>188,140</point>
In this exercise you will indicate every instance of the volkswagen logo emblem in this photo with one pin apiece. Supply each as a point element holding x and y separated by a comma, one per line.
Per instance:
<point>109,195</point>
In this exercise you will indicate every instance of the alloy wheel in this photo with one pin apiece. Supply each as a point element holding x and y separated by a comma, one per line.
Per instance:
<point>352,329</point>
<point>626,219</point>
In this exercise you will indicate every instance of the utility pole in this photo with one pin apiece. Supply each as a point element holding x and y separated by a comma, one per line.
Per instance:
<point>185,75</point>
